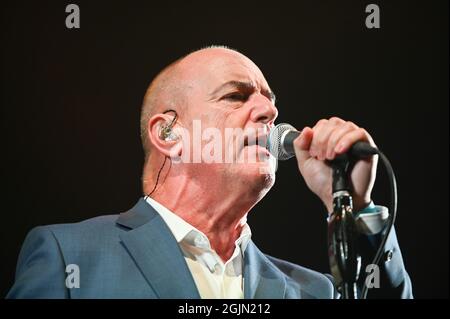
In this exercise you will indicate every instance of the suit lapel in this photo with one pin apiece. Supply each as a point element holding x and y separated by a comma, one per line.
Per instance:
<point>262,280</point>
<point>156,252</point>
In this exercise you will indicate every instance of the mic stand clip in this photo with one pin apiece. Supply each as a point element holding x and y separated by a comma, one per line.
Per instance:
<point>345,262</point>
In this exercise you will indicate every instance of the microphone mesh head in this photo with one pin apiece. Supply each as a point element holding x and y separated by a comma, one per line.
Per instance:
<point>274,145</point>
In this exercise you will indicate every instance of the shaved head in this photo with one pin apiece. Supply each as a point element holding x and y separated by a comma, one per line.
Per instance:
<point>164,92</point>
<point>168,89</point>
<point>218,88</point>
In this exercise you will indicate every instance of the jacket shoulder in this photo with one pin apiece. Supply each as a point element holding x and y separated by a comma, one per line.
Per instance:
<point>99,231</point>
<point>312,284</point>
<point>100,223</point>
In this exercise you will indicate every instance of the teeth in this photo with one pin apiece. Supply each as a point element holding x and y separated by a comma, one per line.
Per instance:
<point>254,141</point>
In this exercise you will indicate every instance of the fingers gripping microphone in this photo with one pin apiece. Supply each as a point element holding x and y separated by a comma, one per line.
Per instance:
<point>345,261</point>
<point>281,138</point>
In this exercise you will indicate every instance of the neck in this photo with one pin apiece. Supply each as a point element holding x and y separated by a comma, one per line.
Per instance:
<point>215,207</point>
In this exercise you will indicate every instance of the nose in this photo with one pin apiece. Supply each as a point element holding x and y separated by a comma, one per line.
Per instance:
<point>263,110</point>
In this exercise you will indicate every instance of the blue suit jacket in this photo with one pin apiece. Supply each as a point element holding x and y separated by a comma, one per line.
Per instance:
<point>134,255</point>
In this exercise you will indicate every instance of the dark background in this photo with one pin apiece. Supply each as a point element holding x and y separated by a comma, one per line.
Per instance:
<point>71,105</point>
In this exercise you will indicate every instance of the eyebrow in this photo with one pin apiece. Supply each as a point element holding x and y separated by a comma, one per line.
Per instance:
<point>246,86</point>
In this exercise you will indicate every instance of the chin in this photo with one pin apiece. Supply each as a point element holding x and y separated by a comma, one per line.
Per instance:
<point>260,177</point>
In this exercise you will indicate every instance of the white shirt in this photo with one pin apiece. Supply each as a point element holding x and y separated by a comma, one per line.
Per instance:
<point>213,277</point>
<point>216,279</point>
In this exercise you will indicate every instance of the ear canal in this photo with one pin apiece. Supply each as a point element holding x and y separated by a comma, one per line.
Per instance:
<point>167,134</point>
<point>171,136</point>
<point>164,132</point>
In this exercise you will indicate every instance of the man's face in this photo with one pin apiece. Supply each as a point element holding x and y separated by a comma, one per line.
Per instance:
<point>228,92</point>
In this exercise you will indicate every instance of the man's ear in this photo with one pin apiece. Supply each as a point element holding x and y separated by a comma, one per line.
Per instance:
<point>161,133</point>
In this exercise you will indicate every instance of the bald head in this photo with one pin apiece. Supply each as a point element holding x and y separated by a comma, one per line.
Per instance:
<point>164,92</point>
<point>220,89</point>
<point>169,88</point>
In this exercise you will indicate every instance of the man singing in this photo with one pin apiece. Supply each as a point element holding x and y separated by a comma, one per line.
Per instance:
<point>187,237</point>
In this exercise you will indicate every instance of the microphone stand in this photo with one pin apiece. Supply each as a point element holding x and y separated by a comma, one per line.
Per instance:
<point>345,262</point>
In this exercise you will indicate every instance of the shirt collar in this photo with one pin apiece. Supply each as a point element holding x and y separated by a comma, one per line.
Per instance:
<point>186,233</point>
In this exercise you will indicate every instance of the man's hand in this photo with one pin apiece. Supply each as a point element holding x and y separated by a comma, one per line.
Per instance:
<point>326,140</point>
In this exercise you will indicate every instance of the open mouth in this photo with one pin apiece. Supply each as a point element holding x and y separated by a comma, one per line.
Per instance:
<point>260,140</point>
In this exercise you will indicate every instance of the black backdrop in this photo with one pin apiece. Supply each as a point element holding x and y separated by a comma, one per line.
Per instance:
<point>71,100</point>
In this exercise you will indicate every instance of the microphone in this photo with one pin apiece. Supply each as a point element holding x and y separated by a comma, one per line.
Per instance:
<point>280,143</point>
<point>345,261</point>
<point>343,250</point>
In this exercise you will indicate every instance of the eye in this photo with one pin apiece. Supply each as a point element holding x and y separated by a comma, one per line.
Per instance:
<point>236,96</point>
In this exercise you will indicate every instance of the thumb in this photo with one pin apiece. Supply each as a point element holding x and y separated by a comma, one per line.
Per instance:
<point>302,144</point>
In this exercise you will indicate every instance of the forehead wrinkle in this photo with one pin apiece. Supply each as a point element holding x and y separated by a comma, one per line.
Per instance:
<point>245,85</point>
<point>233,84</point>
<point>207,71</point>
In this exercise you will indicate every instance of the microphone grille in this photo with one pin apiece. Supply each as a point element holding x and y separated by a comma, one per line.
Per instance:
<point>274,143</point>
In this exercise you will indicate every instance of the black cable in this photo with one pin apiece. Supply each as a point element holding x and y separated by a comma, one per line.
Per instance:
<point>391,219</point>
<point>169,127</point>
<point>157,177</point>
<point>172,123</point>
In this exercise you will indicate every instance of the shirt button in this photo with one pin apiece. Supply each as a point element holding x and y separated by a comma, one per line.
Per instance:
<point>200,241</point>
<point>216,268</point>
<point>388,255</point>
<point>230,271</point>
